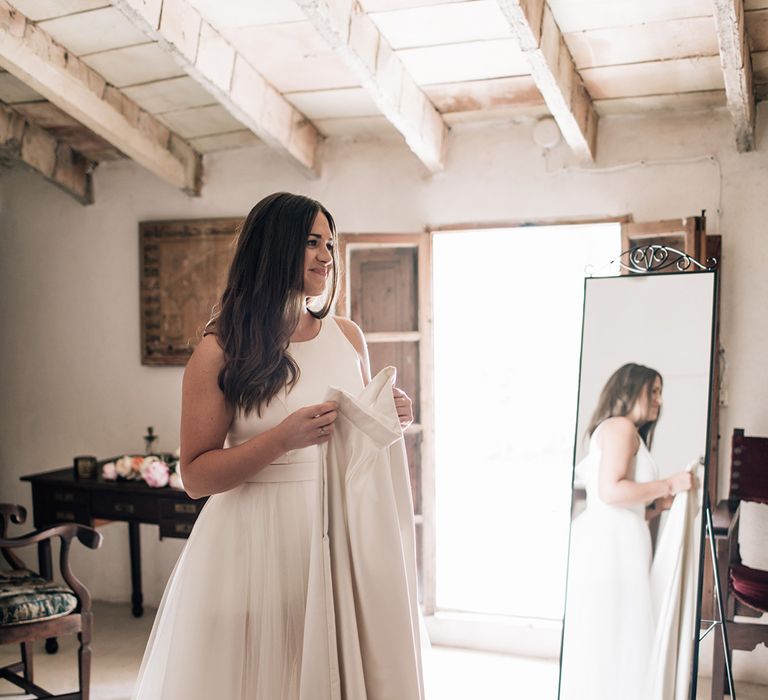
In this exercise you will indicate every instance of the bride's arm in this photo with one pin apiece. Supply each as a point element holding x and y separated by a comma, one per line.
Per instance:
<point>619,443</point>
<point>208,468</point>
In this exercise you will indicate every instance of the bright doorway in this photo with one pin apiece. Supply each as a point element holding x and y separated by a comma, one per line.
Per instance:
<point>507,330</point>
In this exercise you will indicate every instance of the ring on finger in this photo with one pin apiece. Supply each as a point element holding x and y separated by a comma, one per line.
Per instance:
<point>322,430</point>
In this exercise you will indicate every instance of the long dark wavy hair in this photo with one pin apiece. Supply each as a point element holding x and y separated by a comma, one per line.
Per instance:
<point>620,394</point>
<point>262,302</point>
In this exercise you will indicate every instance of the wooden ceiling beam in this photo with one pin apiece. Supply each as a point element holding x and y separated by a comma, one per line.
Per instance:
<point>223,71</point>
<point>22,140</point>
<point>35,58</point>
<point>554,71</point>
<point>356,38</point>
<point>737,69</point>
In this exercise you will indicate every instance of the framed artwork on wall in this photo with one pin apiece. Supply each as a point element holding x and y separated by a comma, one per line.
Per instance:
<point>183,267</point>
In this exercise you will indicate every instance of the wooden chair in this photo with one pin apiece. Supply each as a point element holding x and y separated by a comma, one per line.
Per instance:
<point>745,590</point>
<point>33,608</point>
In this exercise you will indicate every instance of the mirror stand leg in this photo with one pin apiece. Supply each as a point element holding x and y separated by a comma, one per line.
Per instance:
<point>722,647</point>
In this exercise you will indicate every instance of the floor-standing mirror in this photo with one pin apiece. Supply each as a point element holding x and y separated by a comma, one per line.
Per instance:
<point>634,576</point>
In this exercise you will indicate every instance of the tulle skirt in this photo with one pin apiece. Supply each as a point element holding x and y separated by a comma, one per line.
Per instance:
<point>609,622</point>
<point>231,621</point>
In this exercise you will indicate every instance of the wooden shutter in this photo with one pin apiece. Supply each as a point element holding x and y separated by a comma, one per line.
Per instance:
<point>686,235</point>
<point>385,289</point>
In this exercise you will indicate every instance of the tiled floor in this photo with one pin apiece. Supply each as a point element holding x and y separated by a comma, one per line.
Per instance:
<point>454,674</point>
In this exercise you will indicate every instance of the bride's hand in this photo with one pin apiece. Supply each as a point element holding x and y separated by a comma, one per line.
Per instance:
<point>404,407</point>
<point>682,481</point>
<point>664,503</point>
<point>658,506</point>
<point>311,425</point>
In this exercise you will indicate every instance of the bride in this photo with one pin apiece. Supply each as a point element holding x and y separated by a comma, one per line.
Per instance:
<point>609,624</point>
<point>234,621</point>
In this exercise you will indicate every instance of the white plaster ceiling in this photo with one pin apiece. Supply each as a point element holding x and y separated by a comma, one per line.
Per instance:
<point>633,56</point>
<point>293,57</point>
<point>579,15</point>
<point>451,23</point>
<point>193,122</point>
<point>134,65</point>
<point>474,60</point>
<point>37,10</point>
<point>93,31</point>
<point>235,14</point>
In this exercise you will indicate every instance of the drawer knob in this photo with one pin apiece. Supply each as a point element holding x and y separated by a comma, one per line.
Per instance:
<point>189,508</point>
<point>123,507</point>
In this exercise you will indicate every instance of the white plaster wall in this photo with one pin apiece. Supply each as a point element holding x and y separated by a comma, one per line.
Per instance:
<point>70,374</point>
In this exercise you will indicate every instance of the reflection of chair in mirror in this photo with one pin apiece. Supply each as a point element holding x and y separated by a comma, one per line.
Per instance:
<point>745,589</point>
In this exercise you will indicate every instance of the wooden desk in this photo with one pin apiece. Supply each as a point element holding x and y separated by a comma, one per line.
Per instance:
<point>57,497</point>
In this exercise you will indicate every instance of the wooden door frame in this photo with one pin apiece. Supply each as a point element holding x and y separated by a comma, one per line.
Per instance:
<point>424,336</point>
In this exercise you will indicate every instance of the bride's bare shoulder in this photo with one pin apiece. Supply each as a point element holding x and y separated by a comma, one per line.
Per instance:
<point>619,429</point>
<point>352,331</point>
<point>208,355</point>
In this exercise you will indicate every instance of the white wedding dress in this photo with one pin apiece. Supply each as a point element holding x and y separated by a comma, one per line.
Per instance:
<point>609,619</point>
<point>260,606</point>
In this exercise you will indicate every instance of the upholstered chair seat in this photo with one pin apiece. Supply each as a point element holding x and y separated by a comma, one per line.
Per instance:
<point>25,597</point>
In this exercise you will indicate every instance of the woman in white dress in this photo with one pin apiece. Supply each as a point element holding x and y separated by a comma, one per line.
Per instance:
<point>231,622</point>
<point>609,625</point>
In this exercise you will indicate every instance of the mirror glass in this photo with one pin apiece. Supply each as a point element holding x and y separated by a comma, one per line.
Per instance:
<point>639,461</point>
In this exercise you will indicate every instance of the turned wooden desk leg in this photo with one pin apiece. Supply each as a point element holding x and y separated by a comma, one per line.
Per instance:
<point>137,599</point>
<point>45,563</point>
<point>44,559</point>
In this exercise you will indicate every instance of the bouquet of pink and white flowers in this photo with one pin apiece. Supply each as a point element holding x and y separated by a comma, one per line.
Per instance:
<point>155,471</point>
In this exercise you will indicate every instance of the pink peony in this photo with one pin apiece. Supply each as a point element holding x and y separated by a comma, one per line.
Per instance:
<point>155,472</point>
<point>109,471</point>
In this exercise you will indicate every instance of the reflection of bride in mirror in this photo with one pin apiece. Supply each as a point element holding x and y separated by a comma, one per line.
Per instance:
<point>609,625</point>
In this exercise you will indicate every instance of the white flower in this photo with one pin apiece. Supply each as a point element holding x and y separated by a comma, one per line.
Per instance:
<point>124,467</point>
<point>175,480</point>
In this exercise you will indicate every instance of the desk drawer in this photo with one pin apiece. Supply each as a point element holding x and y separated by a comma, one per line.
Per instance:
<point>175,528</point>
<point>56,497</point>
<point>172,508</point>
<point>117,506</point>
<point>67,513</point>
<point>61,505</point>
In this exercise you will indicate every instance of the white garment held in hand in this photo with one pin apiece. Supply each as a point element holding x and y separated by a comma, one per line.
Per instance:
<point>362,605</point>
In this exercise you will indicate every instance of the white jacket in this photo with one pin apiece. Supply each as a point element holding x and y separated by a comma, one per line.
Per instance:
<point>362,637</point>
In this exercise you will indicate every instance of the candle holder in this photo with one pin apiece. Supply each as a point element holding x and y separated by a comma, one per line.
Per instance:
<point>85,467</point>
<point>149,440</point>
